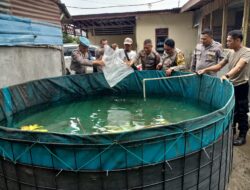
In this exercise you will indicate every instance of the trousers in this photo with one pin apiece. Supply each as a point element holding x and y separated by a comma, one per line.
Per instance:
<point>241,108</point>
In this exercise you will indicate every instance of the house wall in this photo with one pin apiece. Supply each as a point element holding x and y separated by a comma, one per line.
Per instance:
<point>111,39</point>
<point>29,50</point>
<point>217,18</point>
<point>214,5</point>
<point>42,10</point>
<point>217,22</point>
<point>180,27</point>
<point>233,20</point>
<point>22,64</point>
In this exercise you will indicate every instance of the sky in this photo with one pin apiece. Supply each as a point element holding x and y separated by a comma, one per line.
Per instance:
<point>85,7</point>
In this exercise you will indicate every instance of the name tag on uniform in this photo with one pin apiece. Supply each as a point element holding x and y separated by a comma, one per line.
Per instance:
<point>211,56</point>
<point>211,53</point>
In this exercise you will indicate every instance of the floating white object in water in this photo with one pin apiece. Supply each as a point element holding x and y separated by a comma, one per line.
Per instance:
<point>73,124</point>
<point>139,127</point>
<point>113,131</point>
<point>93,115</point>
<point>111,127</point>
<point>102,129</point>
<point>161,121</point>
<point>129,127</point>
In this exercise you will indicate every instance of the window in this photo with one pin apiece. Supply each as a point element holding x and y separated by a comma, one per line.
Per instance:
<point>160,35</point>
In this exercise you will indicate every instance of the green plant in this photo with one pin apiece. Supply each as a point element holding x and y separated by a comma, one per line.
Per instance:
<point>70,39</point>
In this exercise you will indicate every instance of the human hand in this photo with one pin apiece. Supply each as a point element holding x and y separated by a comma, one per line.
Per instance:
<point>223,77</point>
<point>200,72</point>
<point>128,63</point>
<point>99,62</point>
<point>159,66</point>
<point>169,72</point>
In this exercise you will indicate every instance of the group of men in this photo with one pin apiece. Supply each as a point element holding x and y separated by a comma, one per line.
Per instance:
<point>208,57</point>
<point>148,58</point>
<point>238,61</point>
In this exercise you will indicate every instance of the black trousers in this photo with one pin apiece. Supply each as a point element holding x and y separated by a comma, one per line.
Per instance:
<point>241,108</point>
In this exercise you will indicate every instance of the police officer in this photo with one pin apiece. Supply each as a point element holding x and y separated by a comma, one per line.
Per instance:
<point>148,57</point>
<point>238,64</point>
<point>207,53</point>
<point>81,57</point>
<point>172,58</point>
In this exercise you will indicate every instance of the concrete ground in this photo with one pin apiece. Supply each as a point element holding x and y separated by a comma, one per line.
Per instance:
<point>240,177</point>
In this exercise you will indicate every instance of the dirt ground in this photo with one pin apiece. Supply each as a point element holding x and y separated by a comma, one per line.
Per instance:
<point>240,177</point>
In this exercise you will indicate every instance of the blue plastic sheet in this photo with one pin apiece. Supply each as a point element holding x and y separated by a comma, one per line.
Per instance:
<point>22,31</point>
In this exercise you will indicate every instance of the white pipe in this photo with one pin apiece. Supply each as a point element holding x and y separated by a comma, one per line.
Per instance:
<point>161,78</point>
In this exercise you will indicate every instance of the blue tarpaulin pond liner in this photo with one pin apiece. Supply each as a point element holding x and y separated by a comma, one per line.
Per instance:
<point>192,154</point>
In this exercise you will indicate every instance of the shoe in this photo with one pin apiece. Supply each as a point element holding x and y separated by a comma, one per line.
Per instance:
<point>239,141</point>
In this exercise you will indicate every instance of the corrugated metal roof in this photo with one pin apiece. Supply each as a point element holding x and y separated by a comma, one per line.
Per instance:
<point>43,10</point>
<point>5,7</point>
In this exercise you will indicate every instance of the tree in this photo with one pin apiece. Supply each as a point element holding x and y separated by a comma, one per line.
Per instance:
<point>70,39</point>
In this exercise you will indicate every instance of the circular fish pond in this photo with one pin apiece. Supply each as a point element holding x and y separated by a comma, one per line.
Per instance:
<point>75,132</point>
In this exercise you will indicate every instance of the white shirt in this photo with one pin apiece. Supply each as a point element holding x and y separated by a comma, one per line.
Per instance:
<point>123,57</point>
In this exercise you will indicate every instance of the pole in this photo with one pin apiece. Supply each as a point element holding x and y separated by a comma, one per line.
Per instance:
<point>245,21</point>
<point>224,25</point>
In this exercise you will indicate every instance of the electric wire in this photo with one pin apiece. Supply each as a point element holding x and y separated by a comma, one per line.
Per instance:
<point>115,6</point>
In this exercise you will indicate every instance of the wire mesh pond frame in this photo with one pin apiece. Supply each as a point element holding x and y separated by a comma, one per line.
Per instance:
<point>192,154</point>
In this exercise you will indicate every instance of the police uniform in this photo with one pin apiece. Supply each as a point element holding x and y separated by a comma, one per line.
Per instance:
<point>79,61</point>
<point>204,57</point>
<point>175,61</point>
<point>148,61</point>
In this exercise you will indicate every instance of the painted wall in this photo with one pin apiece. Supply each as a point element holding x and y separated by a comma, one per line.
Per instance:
<point>180,28</point>
<point>111,39</point>
<point>21,64</point>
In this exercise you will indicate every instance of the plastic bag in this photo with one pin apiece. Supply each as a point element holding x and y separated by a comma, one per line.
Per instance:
<point>115,69</point>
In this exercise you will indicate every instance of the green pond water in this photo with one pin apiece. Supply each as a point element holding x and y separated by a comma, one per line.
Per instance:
<point>109,114</point>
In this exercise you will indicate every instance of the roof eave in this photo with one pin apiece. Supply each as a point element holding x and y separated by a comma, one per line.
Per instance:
<point>193,5</point>
<point>64,9</point>
<point>125,14</point>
